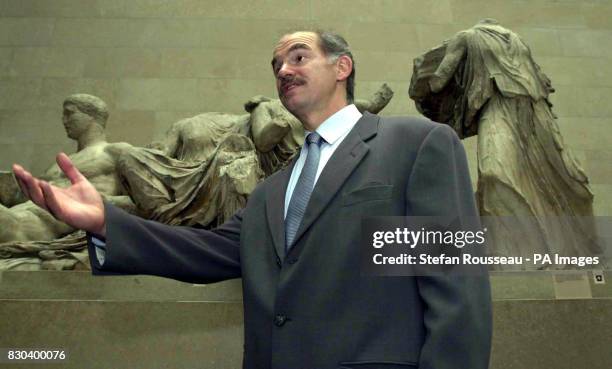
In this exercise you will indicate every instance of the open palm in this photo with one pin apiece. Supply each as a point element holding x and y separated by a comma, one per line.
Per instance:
<point>79,205</point>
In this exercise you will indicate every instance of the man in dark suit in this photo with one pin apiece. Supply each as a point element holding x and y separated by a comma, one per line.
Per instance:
<point>296,244</point>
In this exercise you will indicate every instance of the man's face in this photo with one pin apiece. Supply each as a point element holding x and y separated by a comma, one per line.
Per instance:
<point>75,121</point>
<point>305,79</point>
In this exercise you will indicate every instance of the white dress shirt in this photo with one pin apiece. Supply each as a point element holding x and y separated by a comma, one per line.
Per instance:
<point>333,130</point>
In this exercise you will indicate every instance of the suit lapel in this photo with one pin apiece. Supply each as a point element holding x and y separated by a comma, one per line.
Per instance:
<point>341,164</point>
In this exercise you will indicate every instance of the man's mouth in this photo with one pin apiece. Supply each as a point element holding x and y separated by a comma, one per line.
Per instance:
<point>289,86</point>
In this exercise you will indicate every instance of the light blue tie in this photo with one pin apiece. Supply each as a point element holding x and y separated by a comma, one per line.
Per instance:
<point>303,189</point>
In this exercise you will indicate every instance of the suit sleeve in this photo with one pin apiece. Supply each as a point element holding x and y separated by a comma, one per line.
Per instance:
<point>138,246</point>
<point>457,314</point>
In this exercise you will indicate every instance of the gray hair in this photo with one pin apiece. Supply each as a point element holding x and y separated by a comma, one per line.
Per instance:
<point>335,46</point>
<point>90,105</point>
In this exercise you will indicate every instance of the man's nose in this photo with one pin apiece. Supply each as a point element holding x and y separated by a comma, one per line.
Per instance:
<point>284,71</point>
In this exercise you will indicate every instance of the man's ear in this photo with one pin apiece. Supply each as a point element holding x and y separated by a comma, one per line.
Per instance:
<point>344,66</point>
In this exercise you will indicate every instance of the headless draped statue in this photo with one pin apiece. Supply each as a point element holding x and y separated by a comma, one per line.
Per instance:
<point>484,81</point>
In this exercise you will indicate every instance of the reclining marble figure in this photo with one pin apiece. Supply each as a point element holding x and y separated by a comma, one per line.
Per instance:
<point>198,175</point>
<point>84,119</point>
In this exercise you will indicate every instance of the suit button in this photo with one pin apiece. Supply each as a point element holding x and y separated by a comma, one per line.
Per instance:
<point>279,262</point>
<point>280,320</point>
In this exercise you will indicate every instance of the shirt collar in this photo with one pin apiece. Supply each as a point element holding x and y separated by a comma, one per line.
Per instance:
<point>339,124</point>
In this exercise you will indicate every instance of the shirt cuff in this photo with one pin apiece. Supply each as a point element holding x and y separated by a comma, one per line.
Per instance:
<point>100,249</point>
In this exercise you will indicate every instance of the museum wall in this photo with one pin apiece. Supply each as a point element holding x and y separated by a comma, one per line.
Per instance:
<point>156,61</point>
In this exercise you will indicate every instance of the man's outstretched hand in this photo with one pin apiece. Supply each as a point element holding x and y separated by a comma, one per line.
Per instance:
<point>79,205</point>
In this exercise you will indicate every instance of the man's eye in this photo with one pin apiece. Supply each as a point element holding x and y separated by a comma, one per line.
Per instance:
<point>296,59</point>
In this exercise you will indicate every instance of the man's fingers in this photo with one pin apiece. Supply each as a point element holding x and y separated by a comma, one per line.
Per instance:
<point>53,206</point>
<point>68,168</point>
<point>18,171</point>
<point>30,186</point>
<point>24,188</point>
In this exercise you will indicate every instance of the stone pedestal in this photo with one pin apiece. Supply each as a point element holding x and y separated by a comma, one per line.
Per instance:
<point>149,322</point>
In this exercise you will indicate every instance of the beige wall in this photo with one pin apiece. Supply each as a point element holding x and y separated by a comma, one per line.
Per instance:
<point>156,61</point>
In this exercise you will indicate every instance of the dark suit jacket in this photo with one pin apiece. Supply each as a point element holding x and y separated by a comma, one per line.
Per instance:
<point>312,308</point>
